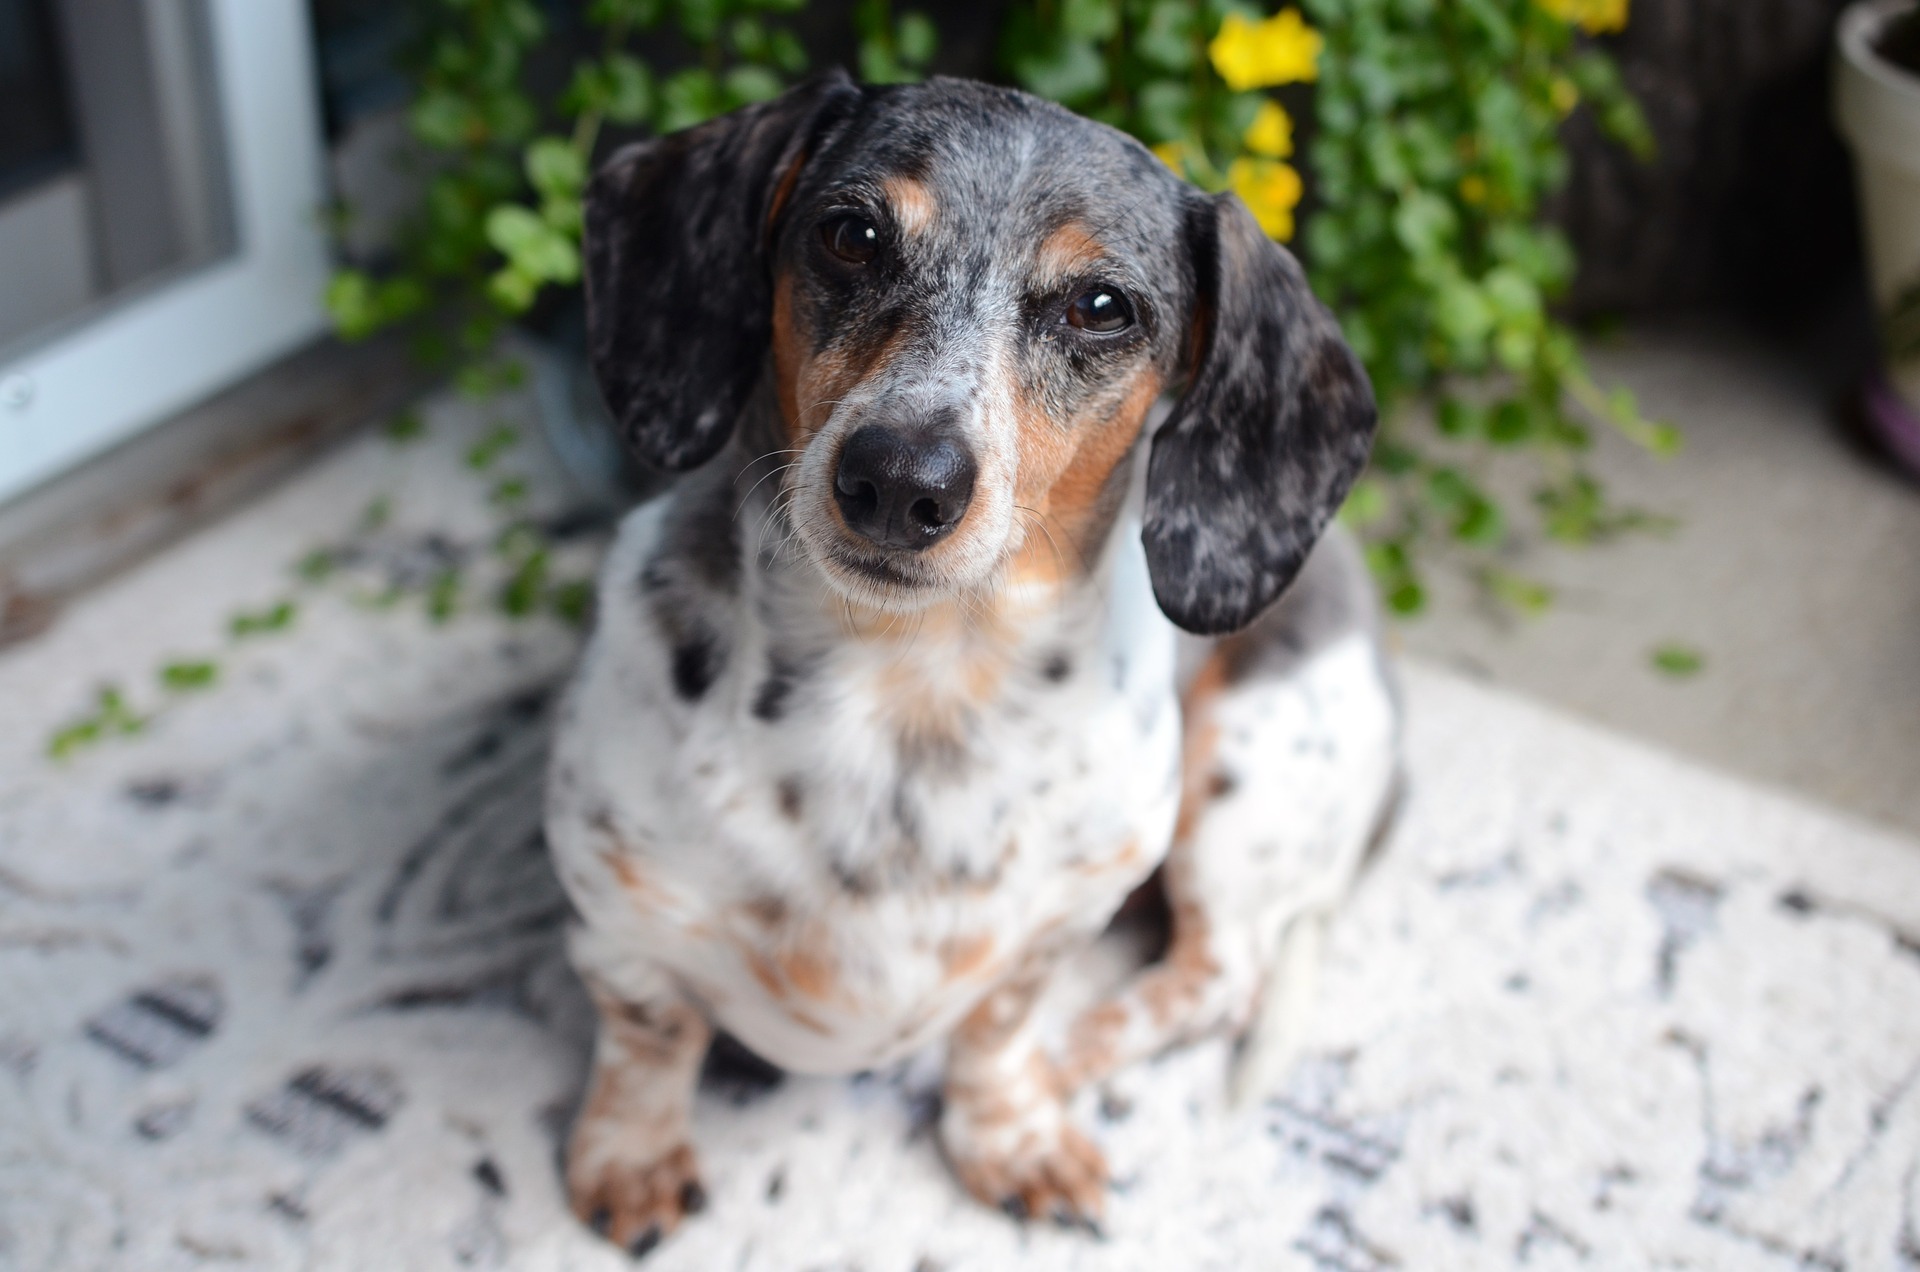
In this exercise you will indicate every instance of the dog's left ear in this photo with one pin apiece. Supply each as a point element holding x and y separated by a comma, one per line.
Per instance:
<point>1273,429</point>
<point>678,294</point>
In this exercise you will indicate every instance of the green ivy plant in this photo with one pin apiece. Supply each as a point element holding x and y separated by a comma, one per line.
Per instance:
<point>1434,145</point>
<point>500,219</point>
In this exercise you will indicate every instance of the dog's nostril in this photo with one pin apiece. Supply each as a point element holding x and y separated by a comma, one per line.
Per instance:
<point>861,495</point>
<point>901,489</point>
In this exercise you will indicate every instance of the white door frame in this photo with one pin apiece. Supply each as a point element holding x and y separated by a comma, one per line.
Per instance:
<point>161,350</point>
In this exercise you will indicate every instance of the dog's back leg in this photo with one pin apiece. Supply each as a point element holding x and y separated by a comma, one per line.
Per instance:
<point>1290,740</point>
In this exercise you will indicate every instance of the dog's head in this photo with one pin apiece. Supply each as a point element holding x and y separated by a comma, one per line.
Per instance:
<point>969,299</point>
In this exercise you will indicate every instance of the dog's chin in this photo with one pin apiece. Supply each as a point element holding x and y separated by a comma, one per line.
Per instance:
<point>892,582</point>
<point>895,583</point>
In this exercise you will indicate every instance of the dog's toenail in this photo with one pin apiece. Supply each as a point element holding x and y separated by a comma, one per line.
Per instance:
<point>1015,1206</point>
<point>644,1243</point>
<point>601,1221</point>
<point>693,1197</point>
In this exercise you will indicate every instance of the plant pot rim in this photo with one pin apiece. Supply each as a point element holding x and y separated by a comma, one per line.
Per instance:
<point>1860,26</point>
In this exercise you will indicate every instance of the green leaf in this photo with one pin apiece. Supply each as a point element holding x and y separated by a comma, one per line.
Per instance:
<point>700,19</point>
<point>1461,312</point>
<point>533,246</point>
<point>406,427</point>
<point>1042,61</point>
<point>1166,110</point>
<point>1511,424</point>
<point>1424,223</point>
<point>1165,40</point>
<point>508,492</point>
<point>1678,661</point>
<point>917,38</point>
<point>275,619</point>
<point>513,289</point>
<point>496,442</point>
<point>1089,19</point>
<point>316,566</point>
<point>1523,595</point>
<point>444,119</point>
<point>554,168</point>
<point>111,717</point>
<point>749,36</point>
<point>1461,419</point>
<point>621,87</point>
<point>190,676</point>
<point>1366,504</point>
<point>443,595</point>
<point>786,52</point>
<point>748,84</point>
<point>572,601</point>
<point>521,595</point>
<point>1407,598</point>
<point>687,98</point>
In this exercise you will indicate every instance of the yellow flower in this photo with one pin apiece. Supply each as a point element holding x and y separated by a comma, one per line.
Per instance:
<point>1473,188</point>
<point>1271,132</point>
<point>1564,94</point>
<point>1282,49</point>
<point>1270,189</point>
<point>1595,17</point>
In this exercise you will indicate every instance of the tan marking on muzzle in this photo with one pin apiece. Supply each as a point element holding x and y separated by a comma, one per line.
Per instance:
<point>809,381</point>
<point>1065,471</point>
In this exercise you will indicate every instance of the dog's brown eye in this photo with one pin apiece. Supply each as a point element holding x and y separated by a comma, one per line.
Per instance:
<point>1102,311</point>
<point>852,238</point>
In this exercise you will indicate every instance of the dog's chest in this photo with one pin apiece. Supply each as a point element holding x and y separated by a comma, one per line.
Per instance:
<point>841,881</point>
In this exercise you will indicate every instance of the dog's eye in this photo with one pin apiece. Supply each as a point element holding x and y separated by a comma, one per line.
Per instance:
<point>1102,311</point>
<point>853,239</point>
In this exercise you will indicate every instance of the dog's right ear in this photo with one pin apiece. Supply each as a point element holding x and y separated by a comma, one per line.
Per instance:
<point>679,296</point>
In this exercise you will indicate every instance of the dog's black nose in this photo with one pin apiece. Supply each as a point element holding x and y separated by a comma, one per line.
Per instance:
<point>900,490</point>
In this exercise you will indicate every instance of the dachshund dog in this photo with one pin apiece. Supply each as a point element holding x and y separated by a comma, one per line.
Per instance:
<point>992,591</point>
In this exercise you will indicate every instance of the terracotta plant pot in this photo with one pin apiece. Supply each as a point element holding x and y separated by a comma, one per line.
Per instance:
<point>1877,104</point>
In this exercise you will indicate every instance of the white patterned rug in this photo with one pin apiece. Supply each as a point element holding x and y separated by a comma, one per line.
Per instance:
<point>280,983</point>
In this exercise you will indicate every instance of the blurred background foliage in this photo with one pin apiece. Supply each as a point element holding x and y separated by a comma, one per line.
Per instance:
<point>1407,149</point>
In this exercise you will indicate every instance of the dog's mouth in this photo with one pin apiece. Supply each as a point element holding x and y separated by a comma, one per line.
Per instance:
<point>884,578</point>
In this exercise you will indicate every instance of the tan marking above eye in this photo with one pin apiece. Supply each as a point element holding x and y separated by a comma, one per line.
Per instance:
<point>912,203</point>
<point>1067,250</point>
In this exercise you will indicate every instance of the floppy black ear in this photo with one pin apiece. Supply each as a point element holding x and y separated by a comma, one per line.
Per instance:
<point>678,291</point>
<point>1273,429</point>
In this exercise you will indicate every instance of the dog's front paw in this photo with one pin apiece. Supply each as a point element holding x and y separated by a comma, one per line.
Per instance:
<point>1055,1173</point>
<point>634,1204</point>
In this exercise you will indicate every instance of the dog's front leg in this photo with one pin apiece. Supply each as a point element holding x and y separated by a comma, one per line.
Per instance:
<point>1005,1124</point>
<point>631,1170</point>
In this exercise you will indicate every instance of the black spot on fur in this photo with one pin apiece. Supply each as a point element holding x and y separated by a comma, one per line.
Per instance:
<point>771,701</point>
<point>696,665</point>
<point>489,1177</point>
<point>791,797</point>
<point>855,883</point>
<point>736,1074</point>
<point>1057,667</point>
